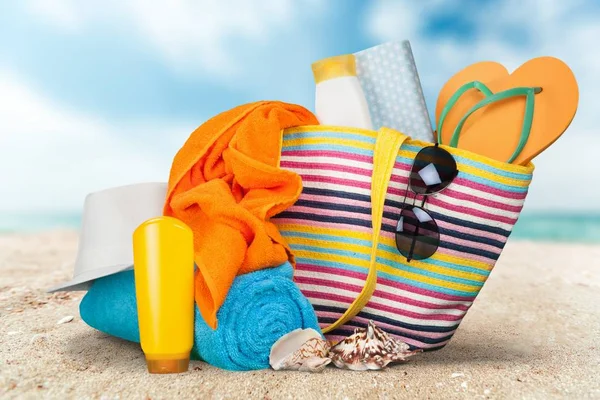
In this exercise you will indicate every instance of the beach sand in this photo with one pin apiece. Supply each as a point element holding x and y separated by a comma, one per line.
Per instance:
<point>532,333</point>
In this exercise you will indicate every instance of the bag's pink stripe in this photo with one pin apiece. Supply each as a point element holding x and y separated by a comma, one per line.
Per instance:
<point>378,294</point>
<point>486,202</point>
<point>327,167</point>
<point>437,317</point>
<point>317,224</point>
<point>448,225</point>
<point>390,209</point>
<point>402,191</point>
<point>302,280</point>
<point>399,192</point>
<point>330,213</point>
<point>382,307</point>
<point>331,271</point>
<point>384,326</point>
<point>364,217</point>
<point>342,301</point>
<point>409,197</point>
<point>489,189</point>
<point>463,210</point>
<point>444,250</point>
<point>336,181</point>
<point>470,211</point>
<point>450,239</point>
<point>461,181</point>
<point>311,154</point>
<point>448,192</point>
<point>384,281</point>
<point>403,180</point>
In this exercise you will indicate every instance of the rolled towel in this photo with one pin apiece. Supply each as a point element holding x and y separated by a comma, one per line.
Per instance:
<point>260,307</point>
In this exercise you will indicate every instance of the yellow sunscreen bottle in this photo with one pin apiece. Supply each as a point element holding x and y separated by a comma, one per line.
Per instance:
<point>163,259</point>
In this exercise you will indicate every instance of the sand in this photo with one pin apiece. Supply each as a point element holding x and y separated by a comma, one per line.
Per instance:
<point>532,333</point>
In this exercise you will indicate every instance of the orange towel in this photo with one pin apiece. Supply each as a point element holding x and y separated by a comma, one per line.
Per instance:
<point>226,184</point>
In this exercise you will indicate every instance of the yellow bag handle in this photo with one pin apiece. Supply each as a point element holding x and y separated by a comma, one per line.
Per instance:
<point>384,157</point>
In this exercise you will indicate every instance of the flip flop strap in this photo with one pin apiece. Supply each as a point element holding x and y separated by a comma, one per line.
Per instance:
<point>528,92</point>
<point>452,102</point>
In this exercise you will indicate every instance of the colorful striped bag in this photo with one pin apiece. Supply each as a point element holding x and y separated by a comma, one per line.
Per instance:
<point>342,232</point>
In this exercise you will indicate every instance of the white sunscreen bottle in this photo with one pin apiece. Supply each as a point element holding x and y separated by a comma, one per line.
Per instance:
<point>339,98</point>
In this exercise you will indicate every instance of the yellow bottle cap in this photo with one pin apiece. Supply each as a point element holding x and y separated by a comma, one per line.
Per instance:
<point>174,366</point>
<point>334,67</point>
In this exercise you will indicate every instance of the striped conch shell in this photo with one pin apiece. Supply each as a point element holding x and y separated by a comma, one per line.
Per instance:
<point>300,350</point>
<point>369,348</point>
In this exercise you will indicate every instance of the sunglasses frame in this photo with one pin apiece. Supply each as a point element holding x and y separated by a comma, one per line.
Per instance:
<point>406,206</point>
<point>414,241</point>
<point>436,146</point>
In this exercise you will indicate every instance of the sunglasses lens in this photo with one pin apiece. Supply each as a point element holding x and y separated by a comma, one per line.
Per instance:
<point>417,234</point>
<point>433,169</point>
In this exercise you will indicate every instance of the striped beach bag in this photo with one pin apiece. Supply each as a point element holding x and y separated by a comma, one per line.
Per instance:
<point>343,231</point>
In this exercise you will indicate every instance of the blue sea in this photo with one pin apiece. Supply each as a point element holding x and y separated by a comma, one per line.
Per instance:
<point>547,226</point>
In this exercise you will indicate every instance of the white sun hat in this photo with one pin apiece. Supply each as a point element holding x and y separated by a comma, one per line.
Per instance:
<point>109,218</point>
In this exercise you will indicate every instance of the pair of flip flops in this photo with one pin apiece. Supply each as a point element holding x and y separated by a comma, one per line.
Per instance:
<point>507,117</point>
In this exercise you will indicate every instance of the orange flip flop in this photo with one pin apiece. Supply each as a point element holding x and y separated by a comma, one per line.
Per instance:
<point>484,72</point>
<point>497,131</point>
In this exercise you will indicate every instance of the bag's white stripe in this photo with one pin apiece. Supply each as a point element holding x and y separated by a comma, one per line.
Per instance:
<point>393,316</point>
<point>380,287</point>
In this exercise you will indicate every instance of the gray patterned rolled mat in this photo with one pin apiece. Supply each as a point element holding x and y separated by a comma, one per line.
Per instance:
<point>390,81</point>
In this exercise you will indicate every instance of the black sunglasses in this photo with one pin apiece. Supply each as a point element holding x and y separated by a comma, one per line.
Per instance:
<point>417,233</point>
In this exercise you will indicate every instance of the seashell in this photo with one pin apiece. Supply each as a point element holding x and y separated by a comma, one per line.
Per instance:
<point>300,350</point>
<point>65,320</point>
<point>369,348</point>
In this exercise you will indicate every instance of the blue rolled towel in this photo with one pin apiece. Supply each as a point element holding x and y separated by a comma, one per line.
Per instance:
<point>260,307</point>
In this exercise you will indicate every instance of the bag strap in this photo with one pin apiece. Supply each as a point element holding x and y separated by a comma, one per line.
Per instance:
<point>384,157</point>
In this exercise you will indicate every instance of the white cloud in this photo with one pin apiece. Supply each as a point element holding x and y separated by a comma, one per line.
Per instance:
<point>511,32</point>
<point>188,34</point>
<point>53,156</point>
<point>198,38</point>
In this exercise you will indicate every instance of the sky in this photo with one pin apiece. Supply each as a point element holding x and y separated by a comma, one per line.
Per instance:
<point>95,94</point>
